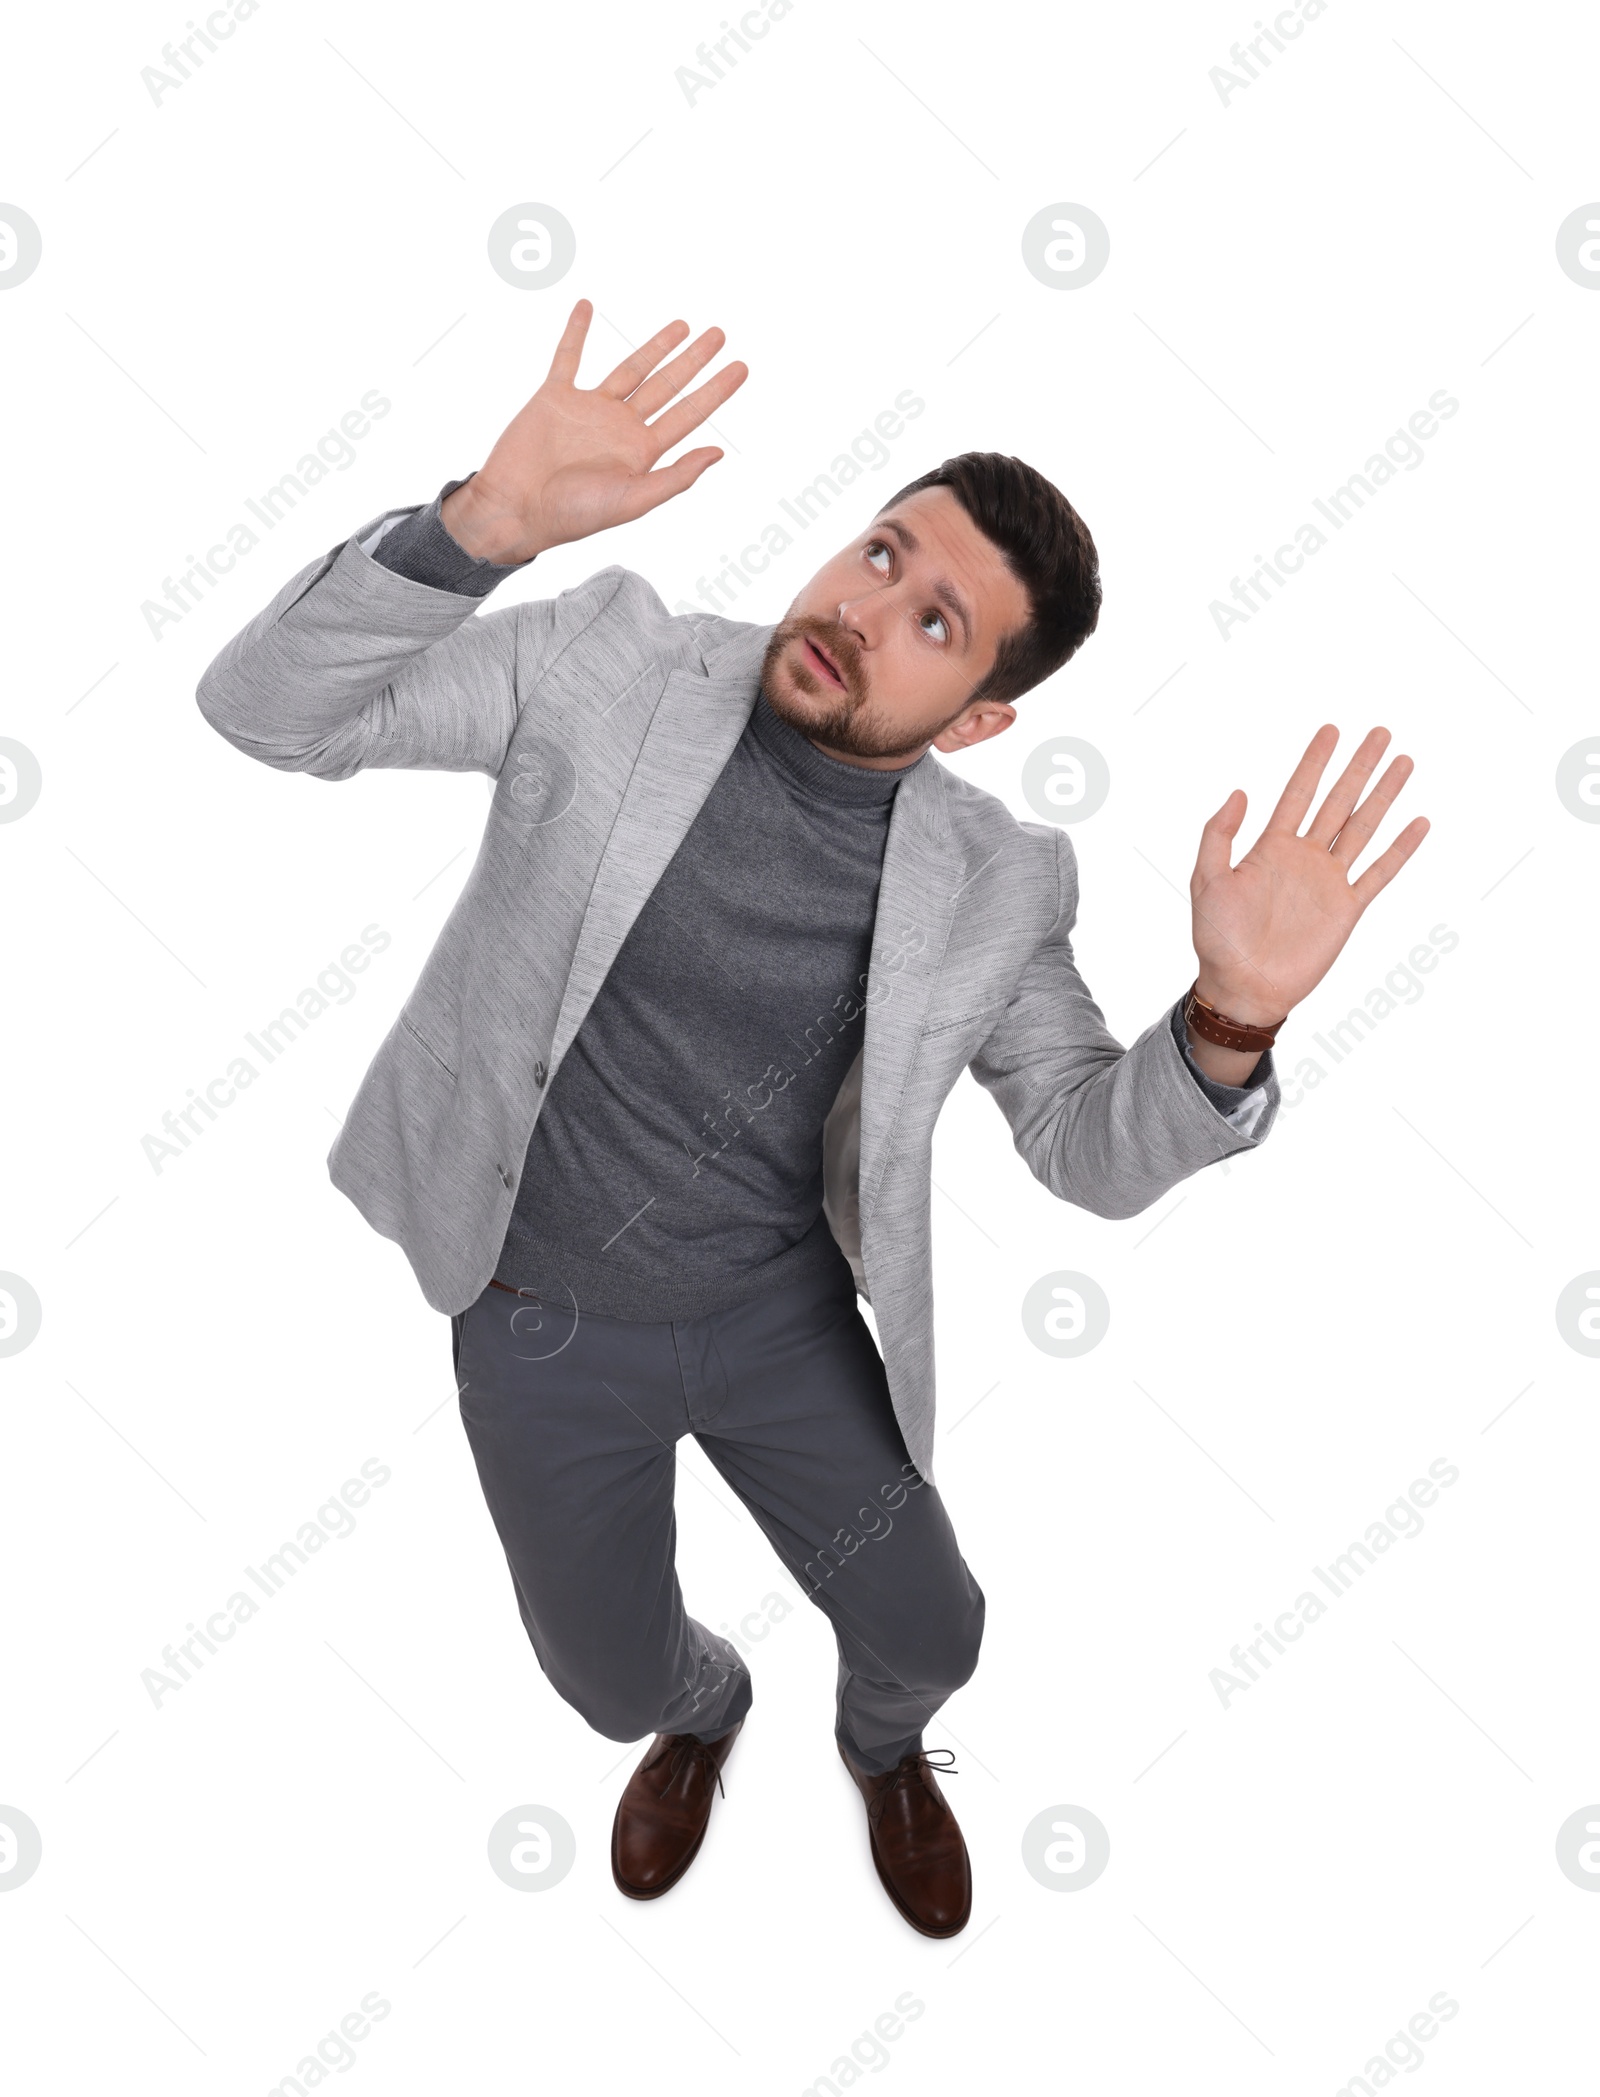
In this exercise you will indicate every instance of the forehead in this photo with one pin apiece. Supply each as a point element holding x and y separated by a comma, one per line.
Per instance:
<point>938,541</point>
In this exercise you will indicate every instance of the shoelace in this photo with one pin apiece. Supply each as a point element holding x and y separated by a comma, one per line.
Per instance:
<point>685,1753</point>
<point>918,1764</point>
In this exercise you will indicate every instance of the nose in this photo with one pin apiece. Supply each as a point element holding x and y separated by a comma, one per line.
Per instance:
<point>856,617</point>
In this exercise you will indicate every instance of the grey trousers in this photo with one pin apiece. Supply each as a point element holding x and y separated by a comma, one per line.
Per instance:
<point>573,1423</point>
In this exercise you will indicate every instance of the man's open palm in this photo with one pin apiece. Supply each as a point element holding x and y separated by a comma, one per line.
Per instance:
<point>578,460</point>
<point>1268,930</point>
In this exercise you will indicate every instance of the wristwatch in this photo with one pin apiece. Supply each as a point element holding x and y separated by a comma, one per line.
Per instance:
<point>1216,1027</point>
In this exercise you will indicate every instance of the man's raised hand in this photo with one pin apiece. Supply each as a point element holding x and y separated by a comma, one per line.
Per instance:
<point>1268,930</point>
<point>576,461</point>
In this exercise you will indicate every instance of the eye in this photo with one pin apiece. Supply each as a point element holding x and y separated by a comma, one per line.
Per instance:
<point>939,629</point>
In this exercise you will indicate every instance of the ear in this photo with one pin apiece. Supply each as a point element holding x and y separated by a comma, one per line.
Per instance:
<point>988,717</point>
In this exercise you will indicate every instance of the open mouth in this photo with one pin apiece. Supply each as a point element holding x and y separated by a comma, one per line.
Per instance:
<point>823,662</point>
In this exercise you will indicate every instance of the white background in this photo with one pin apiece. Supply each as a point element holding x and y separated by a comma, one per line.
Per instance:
<point>1292,274</point>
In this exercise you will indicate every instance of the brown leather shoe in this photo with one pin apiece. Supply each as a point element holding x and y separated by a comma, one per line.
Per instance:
<point>662,1814</point>
<point>916,1844</point>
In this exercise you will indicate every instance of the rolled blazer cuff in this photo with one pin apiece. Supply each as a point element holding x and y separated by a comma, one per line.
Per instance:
<point>418,545</point>
<point>1241,1106</point>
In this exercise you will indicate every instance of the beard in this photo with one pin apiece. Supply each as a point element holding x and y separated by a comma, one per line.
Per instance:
<point>844,720</point>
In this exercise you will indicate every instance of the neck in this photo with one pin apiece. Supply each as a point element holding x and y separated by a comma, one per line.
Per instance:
<point>835,776</point>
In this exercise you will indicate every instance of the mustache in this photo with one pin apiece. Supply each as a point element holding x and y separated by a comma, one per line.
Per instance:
<point>839,644</point>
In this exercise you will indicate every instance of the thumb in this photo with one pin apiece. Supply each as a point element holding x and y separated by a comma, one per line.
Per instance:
<point>651,489</point>
<point>1215,857</point>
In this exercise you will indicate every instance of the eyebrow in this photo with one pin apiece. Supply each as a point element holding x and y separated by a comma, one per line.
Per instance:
<point>943,591</point>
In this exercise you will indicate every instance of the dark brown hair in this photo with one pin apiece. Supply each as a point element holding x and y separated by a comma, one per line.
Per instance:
<point>1047,547</point>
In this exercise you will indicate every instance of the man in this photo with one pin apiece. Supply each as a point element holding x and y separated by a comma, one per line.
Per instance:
<point>661,1104</point>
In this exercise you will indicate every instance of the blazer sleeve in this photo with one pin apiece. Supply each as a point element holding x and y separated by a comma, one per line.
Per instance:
<point>1108,1128</point>
<point>352,666</point>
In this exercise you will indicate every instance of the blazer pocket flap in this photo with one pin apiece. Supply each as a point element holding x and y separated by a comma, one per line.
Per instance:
<point>981,1008</point>
<point>426,1045</point>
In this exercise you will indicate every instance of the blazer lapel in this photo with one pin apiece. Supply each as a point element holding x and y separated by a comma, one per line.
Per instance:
<point>697,721</point>
<point>917,894</point>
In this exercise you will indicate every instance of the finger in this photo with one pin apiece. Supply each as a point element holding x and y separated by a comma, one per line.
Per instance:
<point>650,490</point>
<point>1296,796</point>
<point>1384,868</point>
<point>1351,841</point>
<point>621,382</point>
<point>672,378</point>
<point>1215,856</point>
<point>1346,789</point>
<point>564,364</point>
<point>693,409</point>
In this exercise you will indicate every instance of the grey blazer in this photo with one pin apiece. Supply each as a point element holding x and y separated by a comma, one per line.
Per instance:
<point>603,721</point>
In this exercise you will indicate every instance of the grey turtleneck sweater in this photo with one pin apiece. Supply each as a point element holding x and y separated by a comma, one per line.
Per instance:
<point>676,1167</point>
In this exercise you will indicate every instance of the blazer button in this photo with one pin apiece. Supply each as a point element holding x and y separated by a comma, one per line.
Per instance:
<point>539,1075</point>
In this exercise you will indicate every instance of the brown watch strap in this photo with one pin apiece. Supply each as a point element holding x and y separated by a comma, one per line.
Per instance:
<point>1216,1027</point>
